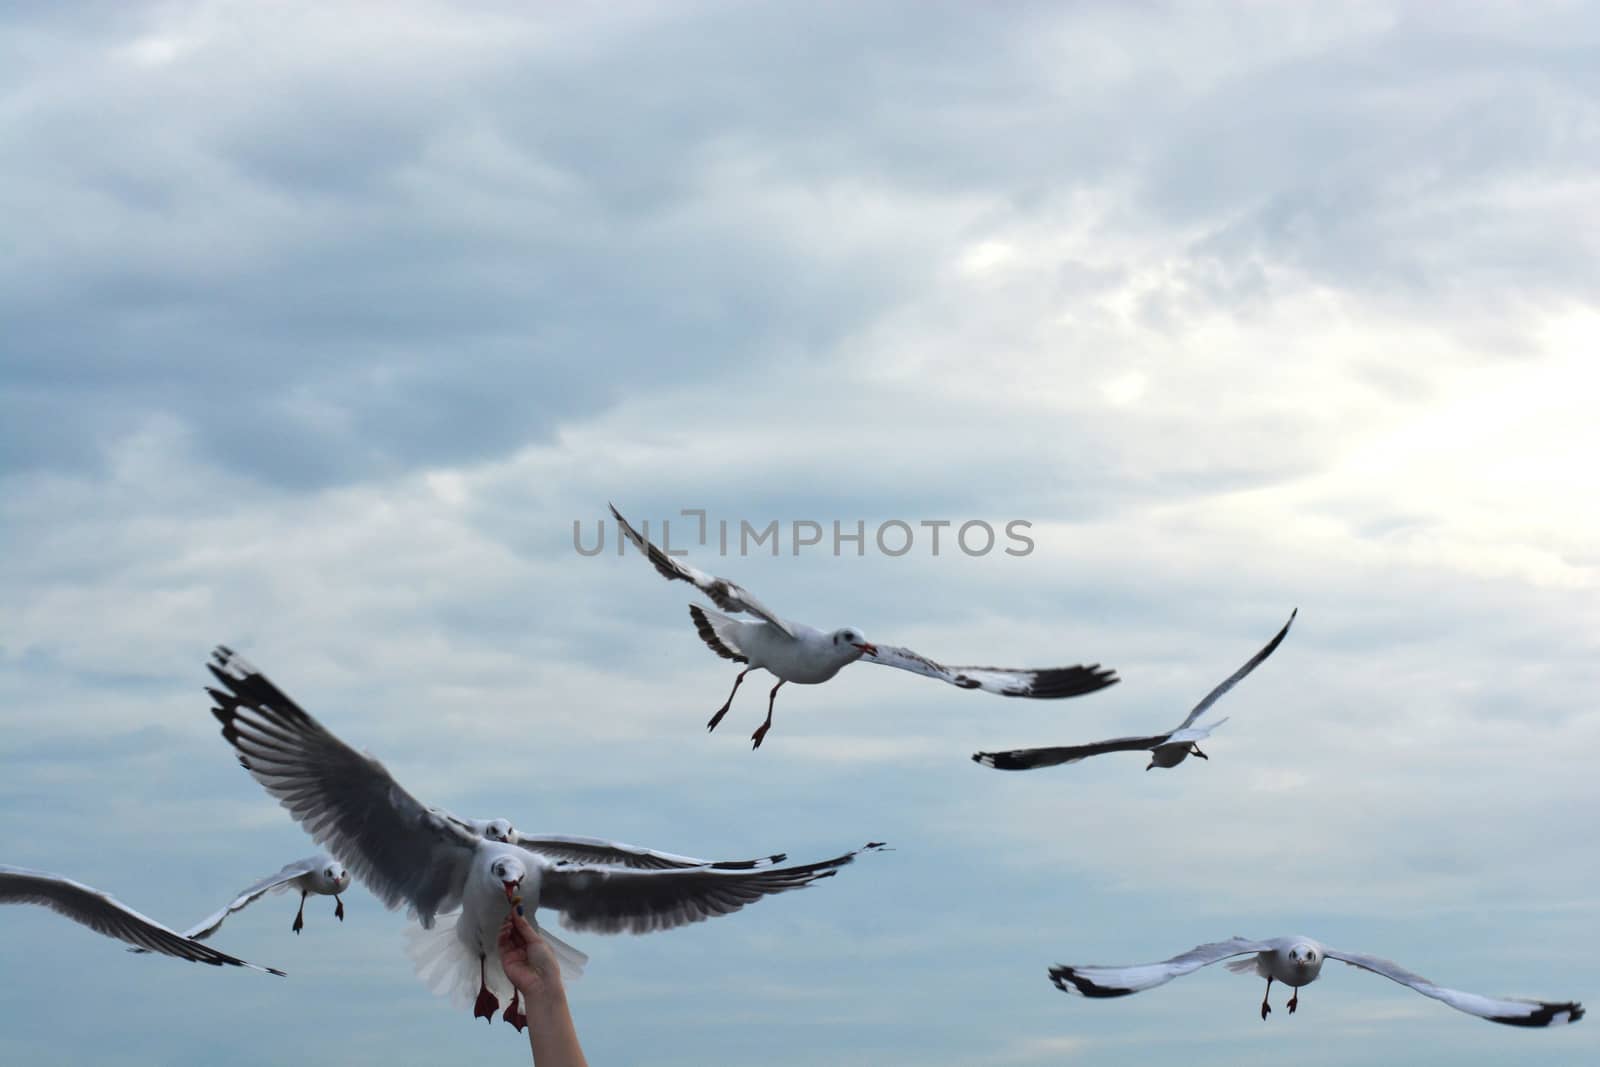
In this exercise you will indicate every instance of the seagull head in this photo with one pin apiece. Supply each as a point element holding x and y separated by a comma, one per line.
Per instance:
<point>337,876</point>
<point>499,830</point>
<point>509,872</point>
<point>1304,956</point>
<point>850,637</point>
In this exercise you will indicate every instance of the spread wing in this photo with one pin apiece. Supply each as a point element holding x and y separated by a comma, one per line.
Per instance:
<point>1120,981</point>
<point>401,851</point>
<point>1511,1011</point>
<point>1234,678</point>
<point>1026,759</point>
<point>252,893</point>
<point>104,914</point>
<point>729,596</point>
<point>1052,683</point>
<point>612,900</point>
<point>595,851</point>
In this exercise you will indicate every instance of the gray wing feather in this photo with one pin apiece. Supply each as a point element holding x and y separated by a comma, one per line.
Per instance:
<point>1507,1010</point>
<point>610,900</point>
<point>1051,683</point>
<point>727,595</point>
<point>1234,678</point>
<point>594,850</point>
<point>106,915</point>
<point>1098,981</point>
<point>347,801</point>
<point>252,893</point>
<point>1026,759</point>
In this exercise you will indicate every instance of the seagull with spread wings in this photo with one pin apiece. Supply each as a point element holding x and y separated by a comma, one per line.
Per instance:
<point>1296,962</point>
<point>104,914</point>
<point>794,652</point>
<point>313,875</point>
<point>1166,750</point>
<point>432,863</point>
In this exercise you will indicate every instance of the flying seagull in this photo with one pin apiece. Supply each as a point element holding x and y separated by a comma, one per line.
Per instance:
<point>568,849</point>
<point>1296,962</point>
<point>106,915</point>
<point>795,652</point>
<point>1166,750</point>
<point>314,874</point>
<point>430,863</point>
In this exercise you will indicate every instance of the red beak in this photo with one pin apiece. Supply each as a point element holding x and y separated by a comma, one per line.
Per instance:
<point>511,890</point>
<point>868,648</point>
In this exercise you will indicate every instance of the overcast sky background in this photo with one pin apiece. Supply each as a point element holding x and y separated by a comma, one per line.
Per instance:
<point>320,325</point>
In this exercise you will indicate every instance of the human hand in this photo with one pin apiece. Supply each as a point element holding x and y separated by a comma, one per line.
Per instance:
<point>528,961</point>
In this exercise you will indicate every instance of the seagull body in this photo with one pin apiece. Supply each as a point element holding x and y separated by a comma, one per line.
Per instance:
<point>1297,962</point>
<point>1166,750</point>
<point>437,865</point>
<point>794,652</point>
<point>104,914</point>
<point>314,875</point>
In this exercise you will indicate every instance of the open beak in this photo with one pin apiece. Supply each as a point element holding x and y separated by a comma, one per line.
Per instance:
<point>867,647</point>
<point>511,890</point>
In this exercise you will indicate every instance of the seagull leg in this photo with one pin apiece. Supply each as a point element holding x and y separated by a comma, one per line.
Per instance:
<point>487,1001</point>
<point>515,1015</point>
<point>761,731</point>
<point>1294,1001</point>
<point>338,911</point>
<point>712,725</point>
<point>300,916</point>
<point>1194,750</point>
<point>1266,1009</point>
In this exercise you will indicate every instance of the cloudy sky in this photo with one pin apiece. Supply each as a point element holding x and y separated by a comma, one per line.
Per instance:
<point>323,323</point>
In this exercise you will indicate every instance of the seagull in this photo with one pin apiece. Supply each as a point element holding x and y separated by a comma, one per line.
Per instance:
<point>106,915</point>
<point>1166,750</point>
<point>433,864</point>
<point>1296,962</point>
<point>568,849</point>
<point>795,652</point>
<point>314,874</point>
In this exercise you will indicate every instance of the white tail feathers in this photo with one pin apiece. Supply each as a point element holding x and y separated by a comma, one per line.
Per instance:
<point>572,961</point>
<point>450,969</point>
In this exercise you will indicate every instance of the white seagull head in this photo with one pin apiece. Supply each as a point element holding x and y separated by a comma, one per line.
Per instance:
<point>1305,956</point>
<point>509,871</point>
<point>851,638</point>
<point>498,830</point>
<point>337,877</point>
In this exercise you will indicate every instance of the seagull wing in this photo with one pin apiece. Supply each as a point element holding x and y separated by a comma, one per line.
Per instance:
<point>729,596</point>
<point>1120,981</point>
<point>252,893</point>
<point>103,914</point>
<point>1234,678</point>
<point>1026,759</point>
<point>611,900</point>
<point>595,851</point>
<point>1512,1012</point>
<point>1049,684</point>
<point>347,801</point>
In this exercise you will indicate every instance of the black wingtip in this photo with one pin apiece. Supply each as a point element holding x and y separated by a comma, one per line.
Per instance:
<point>1057,683</point>
<point>1068,980</point>
<point>1548,1015</point>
